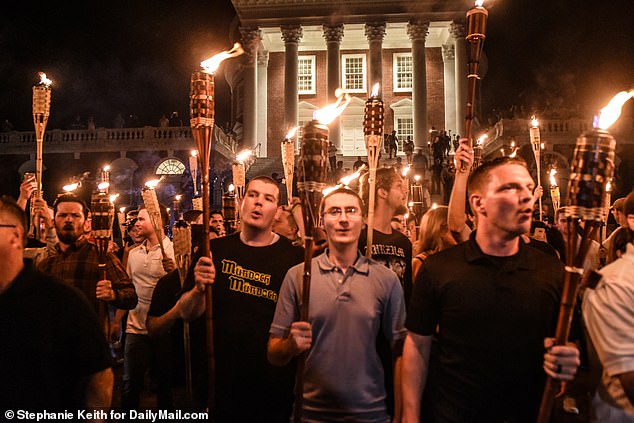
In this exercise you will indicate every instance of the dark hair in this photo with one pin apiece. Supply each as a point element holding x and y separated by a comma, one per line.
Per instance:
<point>622,237</point>
<point>71,198</point>
<point>192,216</point>
<point>266,180</point>
<point>628,206</point>
<point>216,211</point>
<point>10,207</point>
<point>342,190</point>
<point>385,177</point>
<point>479,176</point>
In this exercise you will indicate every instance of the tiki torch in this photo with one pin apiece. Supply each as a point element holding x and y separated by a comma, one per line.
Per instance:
<point>554,190</point>
<point>182,237</point>
<point>373,132</point>
<point>229,209</point>
<point>121,221</point>
<point>193,170</point>
<point>151,202</point>
<point>476,34</point>
<point>311,181</point>
<point>41,111</point>
<point>288,162</point>
<point>592,167</point>
<point>102,218</point>
<point>477,150</point>
<point>536,143</point>
<point>202,109</point>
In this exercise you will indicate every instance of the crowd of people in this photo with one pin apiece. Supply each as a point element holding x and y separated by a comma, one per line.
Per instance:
<point>446,319</point>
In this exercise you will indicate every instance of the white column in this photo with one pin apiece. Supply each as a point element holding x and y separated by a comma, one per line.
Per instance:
<point>333,35</point>
<point>262,137</point>
<point>291,34</point>
<point>375,32</point>
<point>417,31</point>
<point>459,33</point>
<point>251,38</point>
<point>449,74</point>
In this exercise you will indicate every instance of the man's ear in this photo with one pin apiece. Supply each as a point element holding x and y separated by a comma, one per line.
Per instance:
<point>381,193</point>
<point>477,204</point>
<point>277,213</point>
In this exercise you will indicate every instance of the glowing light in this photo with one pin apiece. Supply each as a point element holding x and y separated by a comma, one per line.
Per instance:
<point>153,183</point>
<point>411,204</point>
<point>113,198</point>
<point>513,144</point>
<point>434,206</point>
<point>479,3</point>
<point>608,187</point>
<point>375,90</point>
<point>553,172</point>
<point>291,133</point>
<point>103,186</point>
<point>406,216</point>
<point>178,197</point>
<point>332,111</point>
<point>243,155</point>
<point>231,188</point>
<point>610,113</point>
<point>121,209</point>
<point>349,178</point>
<point>417,178</point>
<point>211,65</point>
<point>406,170</point>
<point>168,209</point>
<point>482,139</point>
<point>106,168</point>
<point>44,80</point>
<point>514,153</point>
<point>194,153</point>
<point>534,122</point>
<point>542,145</point>
<point>328,190</point>
<point>71,187</point>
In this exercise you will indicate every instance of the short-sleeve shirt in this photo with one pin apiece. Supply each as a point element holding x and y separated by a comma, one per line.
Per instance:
<point>343,375</point>
<point>608,311</point>
<point>51,344</point>
<point>490,316</point>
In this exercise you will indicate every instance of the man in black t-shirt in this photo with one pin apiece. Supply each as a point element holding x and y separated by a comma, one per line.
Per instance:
<point>54,356</point>
<point>247,270</point>
<point>491,303</point>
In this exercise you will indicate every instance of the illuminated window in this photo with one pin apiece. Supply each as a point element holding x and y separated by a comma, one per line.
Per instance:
<point>353,73</point>
<point>170,167</point>
<point>404,128</point>
<point>306,75</point>
<point>403,71</point>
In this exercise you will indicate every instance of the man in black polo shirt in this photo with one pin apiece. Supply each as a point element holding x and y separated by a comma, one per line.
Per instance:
<point>490,303</point>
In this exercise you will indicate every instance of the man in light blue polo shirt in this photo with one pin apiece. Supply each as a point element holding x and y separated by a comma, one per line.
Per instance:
<point>351,299</point>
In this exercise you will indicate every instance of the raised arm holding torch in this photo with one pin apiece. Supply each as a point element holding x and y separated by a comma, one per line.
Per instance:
<point>41,112</point>
<point>373,132</point>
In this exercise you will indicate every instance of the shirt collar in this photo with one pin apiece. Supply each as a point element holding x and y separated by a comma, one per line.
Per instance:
<point>522,260</point>
<point>361,264</point>
<point>78,244</point>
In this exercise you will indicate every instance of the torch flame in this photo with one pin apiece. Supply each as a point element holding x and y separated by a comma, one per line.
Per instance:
<point>406,170</point>
<point>610,113</point>
<point>375,90</point>
<point>211,65</point>
<point>153,183</point>
<point>291,133</point>
<point>106,168</point>
<point>608,187</point>
<point>103,185</point>
<point>534,122</point>
<point>113,198</point>
<point>349,178</point>
<point>479,3</point>
<point>194,153</point>
<point>231,188</point>
<point>178,197</point>
<point>243,155</point>
<point>553,172</point>
<point>328,190</point>
<point>332,111</point>
<point>434,206</point>
<point>482,139</point>
<point>70,187</point>
<point>417,178</point>
<point>121,209</point>
<point>44,80</point>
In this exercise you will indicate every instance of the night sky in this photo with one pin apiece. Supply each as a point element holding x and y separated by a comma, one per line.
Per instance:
<point>136,57</point>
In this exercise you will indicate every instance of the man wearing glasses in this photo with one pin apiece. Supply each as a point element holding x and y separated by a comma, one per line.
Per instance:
<point>351,299</point>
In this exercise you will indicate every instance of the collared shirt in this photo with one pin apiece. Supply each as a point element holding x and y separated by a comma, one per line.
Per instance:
<point>609,315</point>
<point>490,316</point>
<point>343,374</point>
<point>145,267</point>
<point>78,266</point>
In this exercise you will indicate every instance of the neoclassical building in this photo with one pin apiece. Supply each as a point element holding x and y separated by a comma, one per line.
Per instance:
<point>299,51</point>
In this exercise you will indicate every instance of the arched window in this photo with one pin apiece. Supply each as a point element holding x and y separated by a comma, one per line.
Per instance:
<point>170,167</point>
